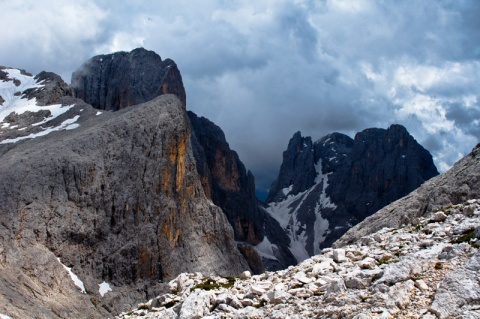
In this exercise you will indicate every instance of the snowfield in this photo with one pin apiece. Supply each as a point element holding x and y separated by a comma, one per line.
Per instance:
<point>12,91</point>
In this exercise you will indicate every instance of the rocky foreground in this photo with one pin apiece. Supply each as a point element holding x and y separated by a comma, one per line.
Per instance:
<point>430,270</point>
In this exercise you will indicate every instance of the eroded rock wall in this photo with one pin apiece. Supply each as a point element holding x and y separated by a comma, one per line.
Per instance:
<point>119,200</point>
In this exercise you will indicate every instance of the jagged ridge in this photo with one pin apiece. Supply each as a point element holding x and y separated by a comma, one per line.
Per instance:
<point>326,187</point>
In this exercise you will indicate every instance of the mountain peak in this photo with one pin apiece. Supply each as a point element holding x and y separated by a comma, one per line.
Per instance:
<point>121,79</point>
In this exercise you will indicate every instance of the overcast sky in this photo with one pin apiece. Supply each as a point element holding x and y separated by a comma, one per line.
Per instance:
<point>263,70</point>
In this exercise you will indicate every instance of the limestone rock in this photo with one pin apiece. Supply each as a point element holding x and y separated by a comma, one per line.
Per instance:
<point>460,288</point>
<point>438,217</point>
<point>325,187</point>
<point>122,79</point>
<point>195,306</point>
<point>117,199</point>
<point>339,255</point>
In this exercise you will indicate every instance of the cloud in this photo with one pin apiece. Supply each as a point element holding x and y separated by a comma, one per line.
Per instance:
<point>263,70</point>
<point>49,35</point>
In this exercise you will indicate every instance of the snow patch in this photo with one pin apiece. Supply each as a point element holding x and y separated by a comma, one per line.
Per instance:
<point>8,89</point>
<point>98,113</point>
<point>286,214</point>
<point>265,249</point>
<point>104,288</point>
<point>66,125</point>
<point>15,103</point>
<point>74,277</point>
<point>287,190</point>
<point>2,316</point>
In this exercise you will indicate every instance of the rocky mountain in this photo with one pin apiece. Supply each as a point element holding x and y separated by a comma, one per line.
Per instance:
<point>112,200</point>
<point>231,187</point>
<point>457,185</point>
<point>427,270</point>
<point>326,187</point>
<point>118,80</point>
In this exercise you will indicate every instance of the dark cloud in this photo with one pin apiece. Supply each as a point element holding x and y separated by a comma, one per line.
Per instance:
<point>264,70</point>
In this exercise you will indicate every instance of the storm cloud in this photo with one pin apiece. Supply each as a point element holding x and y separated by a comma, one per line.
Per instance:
<point>263,70</point>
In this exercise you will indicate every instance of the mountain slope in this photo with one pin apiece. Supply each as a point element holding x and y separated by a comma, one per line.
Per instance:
<point>326,187</point>
<point>426,271</point>
<point>119,200</point>
<point>457,185</point>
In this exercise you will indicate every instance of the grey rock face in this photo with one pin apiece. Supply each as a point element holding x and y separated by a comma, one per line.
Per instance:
<point>118,80</point>
<point>383,166</point>
<point>460,288</point>
<point>232,188</point>
<point>459,184</point>
<point>119,200</point>
<point>297,170</point>
<point>47,106</point>
<point>52,90</point>
<point>326,187</point>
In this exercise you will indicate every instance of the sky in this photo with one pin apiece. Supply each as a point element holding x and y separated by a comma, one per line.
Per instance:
<point>263,70</point>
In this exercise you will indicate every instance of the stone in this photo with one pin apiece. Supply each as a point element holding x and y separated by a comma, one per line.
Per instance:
<point>322,268</point>
<point>258,290</point>
<point>400,294</point>
<point>234,302</point>
<point>460,287</point>
<point>303,278</point>
<point>278,297</point>
<point>245,274</point>
<point>367,263</point>
<point>337,285</point>
<point>406,268</point>
<point>421,284</point>
<point>300,292</point>
<point>339,255</point>
<point>438,217</point>
<point>196,305</point>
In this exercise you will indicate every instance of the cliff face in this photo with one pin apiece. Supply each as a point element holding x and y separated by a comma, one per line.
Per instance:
<point>232,188</point>
<point>140,75</point>
<point>326,187</point>
<point>118,80</point>
<point>118,199</point>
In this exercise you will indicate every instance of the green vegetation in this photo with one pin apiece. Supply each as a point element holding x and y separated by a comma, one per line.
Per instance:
<point>210,284</point>
<point>231,282</point>
<point>465,238</point>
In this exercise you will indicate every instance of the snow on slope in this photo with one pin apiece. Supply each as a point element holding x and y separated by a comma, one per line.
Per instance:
<point>286,213</point>
<point>74,277</point>
<point>11,92</point>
